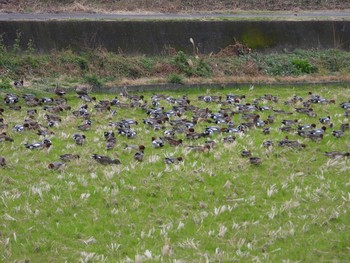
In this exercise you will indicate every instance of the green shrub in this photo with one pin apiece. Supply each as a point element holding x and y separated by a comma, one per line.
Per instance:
<point>303,66</point>
<point>175,78</point>
<point>82,63</point>
<point>181,61</point>
<point>94,81</point>
<point>203,69</point>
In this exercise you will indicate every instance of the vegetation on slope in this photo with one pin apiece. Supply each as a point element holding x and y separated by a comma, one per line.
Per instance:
<point>234,63</point>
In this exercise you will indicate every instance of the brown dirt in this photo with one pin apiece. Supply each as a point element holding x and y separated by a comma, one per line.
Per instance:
<point>174,6</point>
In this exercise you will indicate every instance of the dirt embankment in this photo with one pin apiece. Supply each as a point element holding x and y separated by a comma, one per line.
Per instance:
<point>174,6</point>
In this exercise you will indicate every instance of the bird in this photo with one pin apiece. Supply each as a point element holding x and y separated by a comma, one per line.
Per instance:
<point>18,83</point>
<point>337,133</point>
<point>56,165</point>
<point>246,153</point>
<point>268,143</point>
<point>337,154</point>
<point>173,160</point>
<point>86,126</point>
<point>79,138</point>
<point>81,90</point>
<point>255,160</point>
<point>59,91</point>
<point>229,139</point>
<point>102,159</point>
<point>199,148</point>
<point>69,157</point>
<point>138,156</point>
<point>157,143</point>
<point>37,145</point>
<point>2,161</point>
<point>325,120</point>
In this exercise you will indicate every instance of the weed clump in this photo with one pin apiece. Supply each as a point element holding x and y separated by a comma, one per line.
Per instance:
<point>94,81</point>
<point>304,66</point>
<point>175,78</point>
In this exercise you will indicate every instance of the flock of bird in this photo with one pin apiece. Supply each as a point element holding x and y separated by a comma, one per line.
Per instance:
<point>171,121</point>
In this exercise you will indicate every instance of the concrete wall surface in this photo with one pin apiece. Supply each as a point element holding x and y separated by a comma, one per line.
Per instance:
<point>152,37</point>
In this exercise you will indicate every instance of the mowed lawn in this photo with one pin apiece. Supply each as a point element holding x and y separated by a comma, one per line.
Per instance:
<point>213,206</point>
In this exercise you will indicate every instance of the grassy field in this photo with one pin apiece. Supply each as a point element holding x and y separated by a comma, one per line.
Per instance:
<point>213,206</point>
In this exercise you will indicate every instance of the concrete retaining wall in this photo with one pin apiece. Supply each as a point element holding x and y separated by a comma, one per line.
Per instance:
<point>151,37</point>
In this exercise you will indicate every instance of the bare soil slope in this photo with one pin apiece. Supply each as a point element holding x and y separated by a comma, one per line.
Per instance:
<point>112,6</point>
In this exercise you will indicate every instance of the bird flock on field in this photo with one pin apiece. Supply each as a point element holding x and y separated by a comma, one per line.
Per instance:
<point>168,114</point>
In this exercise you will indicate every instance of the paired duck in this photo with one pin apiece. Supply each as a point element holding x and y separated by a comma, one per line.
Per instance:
<point>39,145</point>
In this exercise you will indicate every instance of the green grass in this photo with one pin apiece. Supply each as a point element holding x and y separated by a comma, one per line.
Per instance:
<point>215,206</point>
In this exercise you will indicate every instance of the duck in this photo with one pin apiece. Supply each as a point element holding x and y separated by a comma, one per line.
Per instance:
<point>52,117</point>
<point>345,105</point>
<point>199,148</point>
<point>110,144</point>
<point>289,122</point>
<point>56,165</point>
<point>268,143</point>
<point>344,127</point>
<point>81,90</point>
<point>2,161</point>
<point>255,160</point>
<point>325,120</point>
<point>337,133</point>
<point>266,130</point>
<point>157,143</point>
<point>11,98</point>
<point>5,138</point>
<point>86,126</point>
<point>102,159</point>
<point>192,135</point>
<point>69,157</point>
<point>138,156</point>
<point>79,138</point>
<point>292,144</point>
<point>246,153</point>
<point>59,91</point>
<point>87,98</point>
<point>44,132</point>
<point>229,139</point>
<point>173,160</point>
<point>18,83</point>
<point>18,128</point>
<point>337,154</point>
<point>171,141</point>
<point>15,107</point>
<point>47,100</point>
